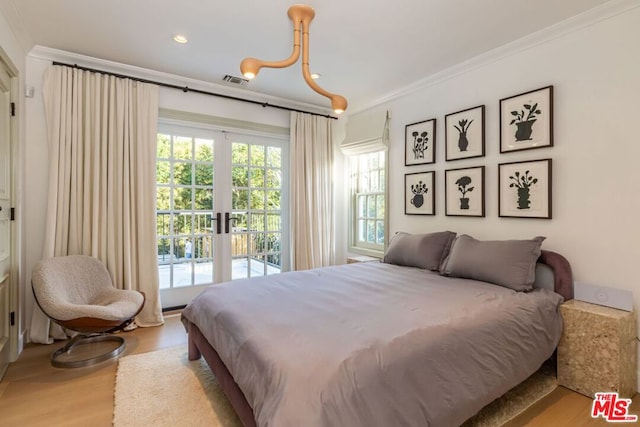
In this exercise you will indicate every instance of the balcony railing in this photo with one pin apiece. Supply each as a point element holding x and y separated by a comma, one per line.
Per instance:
<point>199,227</point>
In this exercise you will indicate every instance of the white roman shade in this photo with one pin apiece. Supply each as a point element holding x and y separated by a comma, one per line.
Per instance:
<point>366,133</point>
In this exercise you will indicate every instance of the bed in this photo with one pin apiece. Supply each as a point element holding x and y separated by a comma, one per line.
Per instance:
<point>374,344</point>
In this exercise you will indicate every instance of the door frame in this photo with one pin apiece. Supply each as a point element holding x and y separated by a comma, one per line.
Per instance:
<point>249,134</point>
<point>16,334</point>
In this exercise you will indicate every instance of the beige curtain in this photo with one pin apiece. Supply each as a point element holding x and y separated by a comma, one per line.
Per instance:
<point>312,222</point>
<point>102,134</point>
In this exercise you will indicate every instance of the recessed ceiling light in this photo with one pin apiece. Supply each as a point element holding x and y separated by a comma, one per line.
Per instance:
<point>315,76</point>
<point>179,38</point>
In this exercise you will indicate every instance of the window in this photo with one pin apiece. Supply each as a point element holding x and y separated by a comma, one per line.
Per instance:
<point>368,195</point>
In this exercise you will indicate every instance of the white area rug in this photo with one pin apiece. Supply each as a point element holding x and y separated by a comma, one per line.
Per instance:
<point>163,388</point>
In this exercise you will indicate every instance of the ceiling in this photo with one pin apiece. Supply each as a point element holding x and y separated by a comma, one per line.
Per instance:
<point>364,49</point>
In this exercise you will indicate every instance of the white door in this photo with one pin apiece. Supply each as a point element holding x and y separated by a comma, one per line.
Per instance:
<point>255,237</point>
<point>220,208</point>
<point>5,216</point>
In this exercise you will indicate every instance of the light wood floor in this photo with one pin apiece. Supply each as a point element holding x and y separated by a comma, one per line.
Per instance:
<point>33,393</point>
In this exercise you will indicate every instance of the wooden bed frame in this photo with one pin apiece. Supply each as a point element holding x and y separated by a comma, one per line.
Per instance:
<point>199,346</point>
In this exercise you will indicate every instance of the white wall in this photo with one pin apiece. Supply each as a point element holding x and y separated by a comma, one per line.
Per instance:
<point>595,71</point>
<point>596,157</point>
<point>14,52</point>
<point>36,163</point>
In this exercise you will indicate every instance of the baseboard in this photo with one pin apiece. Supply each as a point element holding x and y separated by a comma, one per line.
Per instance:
<point>17,347</point>
<point>21,342</point>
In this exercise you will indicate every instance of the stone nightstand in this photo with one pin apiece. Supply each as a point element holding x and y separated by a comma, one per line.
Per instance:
<point>597,350</point>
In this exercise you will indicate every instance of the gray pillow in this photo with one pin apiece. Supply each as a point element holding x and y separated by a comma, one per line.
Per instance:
<point>508,263</point>
<point>419,250</point>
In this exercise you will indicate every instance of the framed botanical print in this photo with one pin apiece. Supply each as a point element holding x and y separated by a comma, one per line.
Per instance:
<point>419,193</point>
<point>464,134</point>
<point>525,189</point>
<point>420,143</point>
<point>526,120</point>
<point>464,191</point>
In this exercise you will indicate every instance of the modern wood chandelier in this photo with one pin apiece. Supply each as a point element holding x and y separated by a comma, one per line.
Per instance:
<point>301,15</point>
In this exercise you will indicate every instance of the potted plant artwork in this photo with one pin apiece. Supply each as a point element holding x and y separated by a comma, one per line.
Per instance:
<point>524,120</point>
<point>418,190</point>
<point>523,184</point>
<point>463,182</point>
<point>464,134</point>
<point>524,189</point>
<point>420,140</point>
<point>458,187</point>
<point>420,143</point>
<point>419,193</point>
<point>463,142</point>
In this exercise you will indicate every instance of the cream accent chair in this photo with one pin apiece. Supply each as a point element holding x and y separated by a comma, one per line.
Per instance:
<point>76,292</point>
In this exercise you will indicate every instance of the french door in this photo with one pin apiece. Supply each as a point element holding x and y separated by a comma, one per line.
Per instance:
<point>221,208</point>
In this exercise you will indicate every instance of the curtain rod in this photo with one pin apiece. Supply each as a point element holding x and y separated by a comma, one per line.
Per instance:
<point>188,89</point>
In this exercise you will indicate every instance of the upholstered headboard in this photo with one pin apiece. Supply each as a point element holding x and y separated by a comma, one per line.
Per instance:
<point>554,272</point>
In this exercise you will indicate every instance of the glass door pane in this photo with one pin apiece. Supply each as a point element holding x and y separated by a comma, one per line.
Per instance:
<point>185,213</point>
<point>256,206</point>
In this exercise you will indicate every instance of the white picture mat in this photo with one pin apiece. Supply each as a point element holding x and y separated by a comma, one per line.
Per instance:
<point>541,135</point>
<point>428,126</point>
<point>539,196</point>
<point>453,194</point>
<point>428,205</point>
<point>475,134</point>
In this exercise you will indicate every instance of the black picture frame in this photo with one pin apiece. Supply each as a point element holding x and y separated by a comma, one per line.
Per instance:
<point>420,143</point>
<point>525,189</point>
<point>419,193</point>
<point>464,134</point>
<point>468,183</point>
<point>526,120</point>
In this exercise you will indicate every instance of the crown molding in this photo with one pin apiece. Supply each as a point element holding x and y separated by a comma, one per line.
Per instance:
<point>50,54</point>
<point>561,29</point>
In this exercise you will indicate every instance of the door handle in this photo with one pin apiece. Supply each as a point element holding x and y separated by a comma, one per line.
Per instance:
<point>218,221</point>
<point>227,220</point>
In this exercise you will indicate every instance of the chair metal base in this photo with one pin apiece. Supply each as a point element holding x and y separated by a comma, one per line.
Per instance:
<point>83,340</point>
